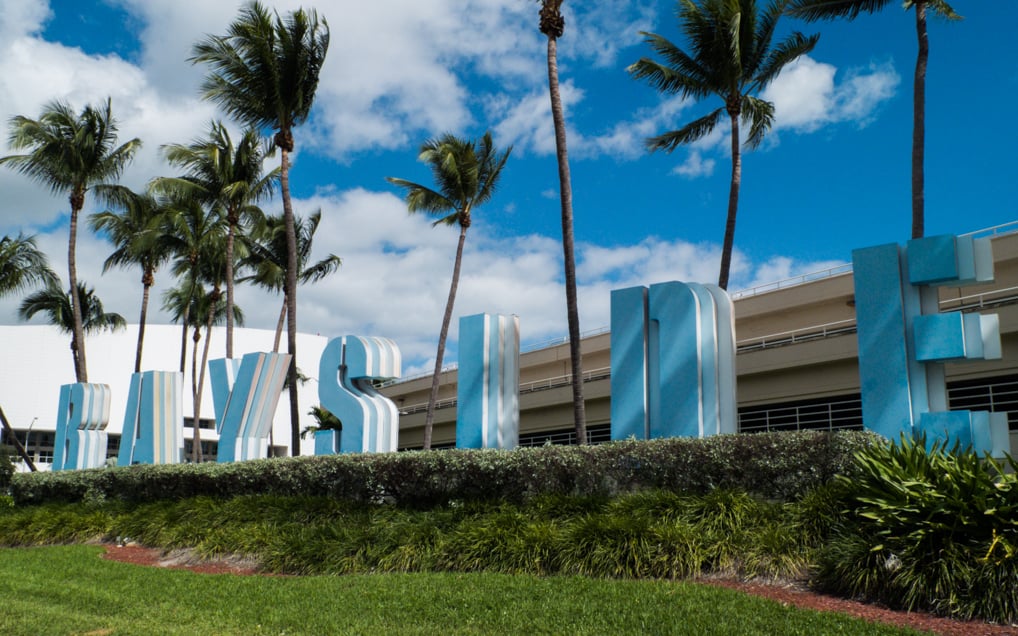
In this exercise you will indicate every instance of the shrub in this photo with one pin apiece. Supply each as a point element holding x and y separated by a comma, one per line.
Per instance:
<point>6,468</point>
<point>928,529</point>
<point>777,466</point>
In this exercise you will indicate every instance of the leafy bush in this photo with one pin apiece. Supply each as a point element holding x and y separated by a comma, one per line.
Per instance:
<point>777,466</point>
<point>6,468</point>
<point>652,534</point>
<point>928,529</point>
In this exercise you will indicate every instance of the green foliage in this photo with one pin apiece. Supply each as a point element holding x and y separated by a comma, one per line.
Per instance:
<point>928,529</point>
<point>654,534</point>
<point>910,527</point>
<point>774,466</point>
<point>55,524</point>
<point>55,303</point>
<point>22,265</point>
<point>6,468</point>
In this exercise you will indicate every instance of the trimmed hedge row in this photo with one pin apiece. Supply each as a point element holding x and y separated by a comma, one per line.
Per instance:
<point>778,466</point>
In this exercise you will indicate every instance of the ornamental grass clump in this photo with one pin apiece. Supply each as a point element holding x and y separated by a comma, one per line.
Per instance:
<point>931,529</point>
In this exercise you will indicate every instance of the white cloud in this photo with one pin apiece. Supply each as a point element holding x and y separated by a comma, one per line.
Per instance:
<point>526,122</point>
<point>864,90</point>
<point>695,166</point>
<point>783,268</point>
<point>806,96</point>
<point>34,72</point>
<point>607,26</point>
<point>19,17</point>
<point>395,70</point>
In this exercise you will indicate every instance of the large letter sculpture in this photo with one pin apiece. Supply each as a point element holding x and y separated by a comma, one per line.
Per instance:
<point>348,367</point>
<point>153,424</point>
<point>245,393</point>
<point>81,437</point>
<point>488,391</point>
<point>672,361</point>
<point>903,339</point>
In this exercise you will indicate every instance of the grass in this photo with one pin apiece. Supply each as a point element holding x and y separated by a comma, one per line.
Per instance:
<point>69,590</point>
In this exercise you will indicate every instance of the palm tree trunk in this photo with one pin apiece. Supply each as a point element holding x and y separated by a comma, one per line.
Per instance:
<point>919,123</point>
<point>291,298</point>
<point>733,205</point>
<point>196,401</point>
<point>429,418</point>
<point>231,229</point>
<point>201,385</point>
<point>279,325</point>
<point>146,287</point>
<point>78,340</point>
<point>183,337</point>
<point>566,191</point>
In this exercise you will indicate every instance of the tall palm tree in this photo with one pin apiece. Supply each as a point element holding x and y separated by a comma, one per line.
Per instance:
<point>22,265</point>
<point>136,231</point>
<point>812,10</point>
<point>264,72</point>
<point>57,305</point>
<point>230,179</point>
<point>70,152</point>
<point>466,173</point>
<point>266,257</point>
<point>731,56</point>
<point>553,25</point>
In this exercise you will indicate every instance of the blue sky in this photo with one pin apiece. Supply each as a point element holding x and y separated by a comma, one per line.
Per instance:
<point>832,175</point>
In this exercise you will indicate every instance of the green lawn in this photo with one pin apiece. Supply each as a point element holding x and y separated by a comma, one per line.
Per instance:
<point>70,590</point>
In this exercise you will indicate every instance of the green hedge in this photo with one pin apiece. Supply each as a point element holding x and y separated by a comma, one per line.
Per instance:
<point>778,466</point>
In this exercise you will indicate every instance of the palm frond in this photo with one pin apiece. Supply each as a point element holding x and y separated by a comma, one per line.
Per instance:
<point>780,56</point>
<point>264,71</point>
<point>689,133</point>
<point>812,10</point>
<point>760,115</point>
<point>23,265</point>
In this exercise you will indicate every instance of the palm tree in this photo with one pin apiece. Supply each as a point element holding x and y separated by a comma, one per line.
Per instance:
<point>466,174</point>
<point>136,231</point>
<point>193,234</point>
<point>196,306</point>
<point>553,25</point>
<point>229,179</point>
<point>812,10</point>
<point>731,57</point>
<point>22,265</point>
<point>267,259</point>
<point>324,421</point>
<point>57,305</point>
<point>264,72</point>
<point>70,153</point>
